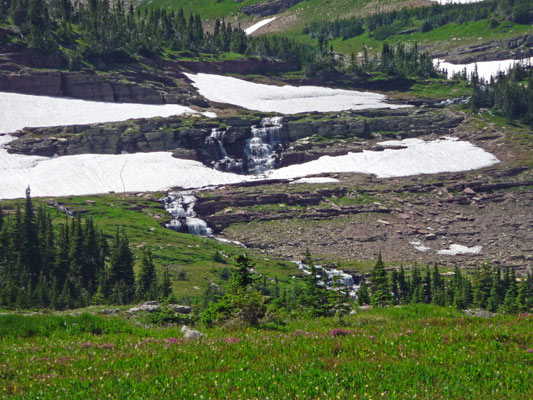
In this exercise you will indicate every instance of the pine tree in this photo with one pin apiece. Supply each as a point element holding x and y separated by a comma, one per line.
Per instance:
<point>362,294</point>
<point>242,277</point>
<point>147,280</point>
<point>379,284</point>
<point>315,295</point>
<point>166,285</point>
<point>403,287</point>
<point>427,290</point>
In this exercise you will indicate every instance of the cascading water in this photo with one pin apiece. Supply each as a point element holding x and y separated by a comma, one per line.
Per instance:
<point>180,205</point>
<point>259,150</point>
<point>224,162</point>
<point>330,275</point>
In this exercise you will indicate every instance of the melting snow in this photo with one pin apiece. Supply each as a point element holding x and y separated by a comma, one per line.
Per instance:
<point>420,157</point>
<point>260,24</point>
<point>22,110</point>
<point>456,249</point>
<point>420,246</point>
<point>485,69</point>
<point>101,173</point>
<point>96,173</point>
<point>284,99</point>
<point>314,180</point>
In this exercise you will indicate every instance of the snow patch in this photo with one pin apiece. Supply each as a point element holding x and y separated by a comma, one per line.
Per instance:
<point>418,245</point>
<point>260,24</point>
<point>485,69</point>
<point>420,157</point>
<point>314,180</point>
<point>457,249</point>
<point>102,173</point>
<point>22,110</point>
<point>284,99</point>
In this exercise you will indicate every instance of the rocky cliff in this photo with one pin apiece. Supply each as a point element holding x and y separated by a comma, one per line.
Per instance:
<point>147,81</point>
<point>189,134</point>
<point>269,7</point>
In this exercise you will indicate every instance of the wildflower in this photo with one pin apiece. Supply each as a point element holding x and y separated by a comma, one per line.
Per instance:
<point>529,351</point>
<point>341,332</point>
<point>232,340</point>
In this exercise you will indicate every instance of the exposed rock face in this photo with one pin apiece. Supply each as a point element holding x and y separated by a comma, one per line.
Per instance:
<point>21,71</point>
<point>270,7</point>
<point>514,48</point>
<point>190,135</point>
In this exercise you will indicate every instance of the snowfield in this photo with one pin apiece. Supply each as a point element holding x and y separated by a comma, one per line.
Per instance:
<point>260,24</point>
<point>284,99</point>
<point>22,110</point>
<point>485,69</point>
<point>102,173</point>
<point>420,157</point>
<point>97,173</point>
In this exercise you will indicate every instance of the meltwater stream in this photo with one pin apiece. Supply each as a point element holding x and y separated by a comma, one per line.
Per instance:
<point>180,205</point>
<point>259,150</point>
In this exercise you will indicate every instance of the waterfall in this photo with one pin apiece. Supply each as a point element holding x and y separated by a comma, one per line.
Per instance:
<point>217,136</point>
<point>180,205</point>
<point>224,162</point>
<point>330,275</point>
<point>259,150</point>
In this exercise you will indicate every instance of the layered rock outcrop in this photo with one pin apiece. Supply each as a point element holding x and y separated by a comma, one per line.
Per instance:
<point>188,135</point>
<point>270,7</point>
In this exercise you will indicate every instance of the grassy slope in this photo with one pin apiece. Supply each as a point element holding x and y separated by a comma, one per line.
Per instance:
<point>394,353</point>
<point>301,13</point>
<point>140,218</point>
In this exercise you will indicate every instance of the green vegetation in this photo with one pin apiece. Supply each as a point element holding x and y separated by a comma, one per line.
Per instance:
<point>383,25</point>
<point>510,94</point>
<point>395,353</point>
<point>190,261</point>
<point>91,32</point>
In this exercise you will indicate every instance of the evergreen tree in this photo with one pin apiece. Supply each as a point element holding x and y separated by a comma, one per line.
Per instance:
<point>315,295</point>
<point>166,284</point>
<point>363,297</point>
<point>380,284</point>
<point>147,280</point>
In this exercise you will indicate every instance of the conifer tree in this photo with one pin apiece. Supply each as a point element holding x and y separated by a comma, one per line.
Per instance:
<point>147,281</point>
<point>380,284</point>
<point>362,294</point>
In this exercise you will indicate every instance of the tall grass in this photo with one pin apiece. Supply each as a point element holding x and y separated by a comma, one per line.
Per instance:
<point>409,352</point>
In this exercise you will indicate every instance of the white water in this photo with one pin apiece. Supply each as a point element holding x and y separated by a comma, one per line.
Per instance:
<point>180,205</point>
<point>284,99</point>
<point>259,149</point>
<point>485,69</point>
<point>258,25</point>
<point>346,279</point>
